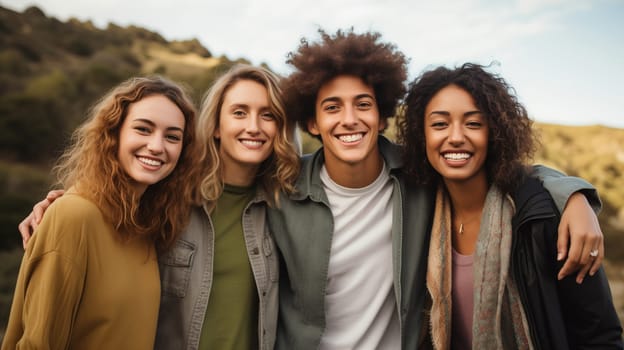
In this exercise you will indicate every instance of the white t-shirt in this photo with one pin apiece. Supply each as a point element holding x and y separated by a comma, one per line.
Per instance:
<point>360,303</point>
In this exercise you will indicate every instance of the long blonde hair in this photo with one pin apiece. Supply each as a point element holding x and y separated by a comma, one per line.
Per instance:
<point>91,165</point>
<point>279,171</point>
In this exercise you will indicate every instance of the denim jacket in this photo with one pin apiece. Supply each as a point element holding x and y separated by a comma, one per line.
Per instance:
<point>186,274</point>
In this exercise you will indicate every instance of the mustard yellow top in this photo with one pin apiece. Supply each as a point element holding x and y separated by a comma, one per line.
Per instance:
<point>80,287</point>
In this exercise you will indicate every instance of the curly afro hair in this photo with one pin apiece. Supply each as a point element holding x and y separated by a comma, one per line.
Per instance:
<point>512,141</point>
<point>380,65</point>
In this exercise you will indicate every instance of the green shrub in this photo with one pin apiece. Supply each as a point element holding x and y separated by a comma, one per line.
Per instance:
<point>54,85</point>
<point>20,188</point>
<point>80,47</point>
<point>12,62</point>
<point>31,129</point>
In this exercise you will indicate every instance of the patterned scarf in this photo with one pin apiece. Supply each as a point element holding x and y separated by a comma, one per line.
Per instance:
<point>499,321</point>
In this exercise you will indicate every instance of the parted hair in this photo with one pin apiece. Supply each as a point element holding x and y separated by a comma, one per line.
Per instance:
<point>512,141</point>
<point>379,64</point>
<point>279,171</point>
<point>91,165</point>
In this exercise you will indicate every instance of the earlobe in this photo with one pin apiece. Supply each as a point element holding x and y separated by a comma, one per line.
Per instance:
<point>382,124</point>
<point>217,134</point>
<point>312,129</point>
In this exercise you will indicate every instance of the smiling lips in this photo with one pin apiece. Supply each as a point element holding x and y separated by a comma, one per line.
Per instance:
<point>456,158</point>
<point>252,143</point>
<point>150,161</point>
<point>350,138</point>
<point>456,155</point>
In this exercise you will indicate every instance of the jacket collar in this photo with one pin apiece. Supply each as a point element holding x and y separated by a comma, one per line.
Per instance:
<point>309,183</point>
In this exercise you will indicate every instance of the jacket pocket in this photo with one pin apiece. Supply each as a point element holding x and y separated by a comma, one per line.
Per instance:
<point>175,268</point>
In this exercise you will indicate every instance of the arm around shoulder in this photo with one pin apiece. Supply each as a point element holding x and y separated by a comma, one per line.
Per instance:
<point>561,187</point>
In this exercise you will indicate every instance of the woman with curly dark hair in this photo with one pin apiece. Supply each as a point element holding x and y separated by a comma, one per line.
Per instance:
<point>492,266</point>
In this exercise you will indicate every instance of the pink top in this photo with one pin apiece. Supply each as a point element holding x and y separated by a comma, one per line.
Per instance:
<point>462,291</point>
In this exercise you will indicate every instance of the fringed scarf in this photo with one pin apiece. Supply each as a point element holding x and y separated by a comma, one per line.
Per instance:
<point>498,317</point>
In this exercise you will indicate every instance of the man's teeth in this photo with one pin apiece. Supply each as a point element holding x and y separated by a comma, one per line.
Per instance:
<point>350,138</point>
<point>150,161</point>
<point>252,143</point>
<point>456,156</point>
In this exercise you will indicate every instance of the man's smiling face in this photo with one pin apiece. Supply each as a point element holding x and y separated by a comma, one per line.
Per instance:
<point>347,120</point>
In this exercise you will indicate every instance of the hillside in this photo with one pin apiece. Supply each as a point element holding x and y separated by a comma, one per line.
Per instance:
<point>595,153</point>
<point>52,71</point>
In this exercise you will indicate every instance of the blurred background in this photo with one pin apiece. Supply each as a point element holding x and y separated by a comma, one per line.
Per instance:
<point>58,56</point>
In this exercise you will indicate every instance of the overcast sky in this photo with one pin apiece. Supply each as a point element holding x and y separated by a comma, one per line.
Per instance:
<point>565,58</point>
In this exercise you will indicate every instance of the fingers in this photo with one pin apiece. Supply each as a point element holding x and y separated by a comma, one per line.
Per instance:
<point>593,264</point>
<point>588,242</point>
<point>563,238</point>
<point>586,258</point>
<point>54,194</point>
<point>598,260</point>
<point>580,256</point>
<point>579,234</point>
<point>42,206</point>
<point>582,273</point>
<point>572,263</point>
<point>26,228</point>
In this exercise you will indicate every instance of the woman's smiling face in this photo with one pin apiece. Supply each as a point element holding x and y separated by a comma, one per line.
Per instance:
<point>456,135</point>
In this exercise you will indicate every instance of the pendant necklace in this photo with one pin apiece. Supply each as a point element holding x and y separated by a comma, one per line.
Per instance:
<point>461,224</point>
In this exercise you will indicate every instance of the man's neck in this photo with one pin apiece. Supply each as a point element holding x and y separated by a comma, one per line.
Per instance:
<point>354,175</point>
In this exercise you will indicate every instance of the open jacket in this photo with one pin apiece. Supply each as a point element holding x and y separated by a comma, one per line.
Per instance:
<point>186,274</point>
<point>561,314</point>
<point>303,226</point>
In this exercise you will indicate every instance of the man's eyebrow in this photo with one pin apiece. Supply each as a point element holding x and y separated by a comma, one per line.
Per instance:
<point>337,99</point>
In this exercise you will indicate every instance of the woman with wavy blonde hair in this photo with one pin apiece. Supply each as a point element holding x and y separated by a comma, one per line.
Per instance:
<point>220,279</point>
<point>89,277</point>
<point>275,173</point>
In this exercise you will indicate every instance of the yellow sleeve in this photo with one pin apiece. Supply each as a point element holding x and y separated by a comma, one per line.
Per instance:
<point>52,278</point>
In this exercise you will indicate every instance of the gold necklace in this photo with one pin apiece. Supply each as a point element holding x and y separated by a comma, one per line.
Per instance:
<point>461,223</point>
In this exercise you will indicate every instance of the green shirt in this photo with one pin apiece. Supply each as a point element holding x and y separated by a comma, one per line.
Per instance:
<point>231,320</point>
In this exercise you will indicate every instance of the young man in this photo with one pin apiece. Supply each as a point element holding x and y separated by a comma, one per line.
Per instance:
<point>355,235</point>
